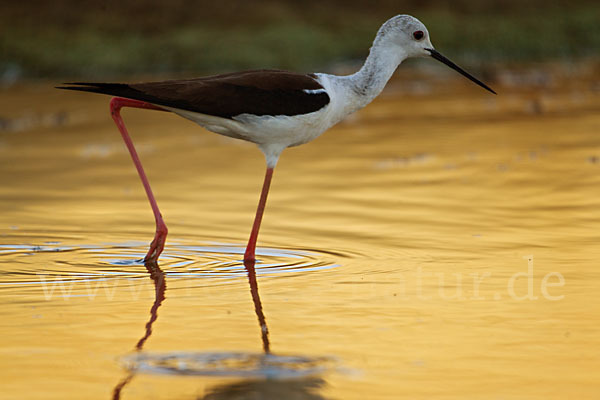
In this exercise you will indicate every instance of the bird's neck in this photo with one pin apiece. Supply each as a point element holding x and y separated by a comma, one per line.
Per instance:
<point>369,81</point>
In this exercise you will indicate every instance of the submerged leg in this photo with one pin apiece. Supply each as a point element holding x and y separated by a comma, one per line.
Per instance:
<point>157,245</point>
<point>251,248</point>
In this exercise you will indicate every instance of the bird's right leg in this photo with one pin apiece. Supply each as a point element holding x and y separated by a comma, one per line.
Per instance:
<point>157,245</point>
<point>249,255</point>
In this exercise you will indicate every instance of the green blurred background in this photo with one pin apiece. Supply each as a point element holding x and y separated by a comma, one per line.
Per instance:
<point>115,38</point>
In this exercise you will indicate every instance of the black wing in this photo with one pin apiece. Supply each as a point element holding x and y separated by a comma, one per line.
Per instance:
<point>261,92</point>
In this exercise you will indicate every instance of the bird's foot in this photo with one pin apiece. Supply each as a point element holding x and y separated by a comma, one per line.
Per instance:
<point>249,255</point>
<point>158,244</point>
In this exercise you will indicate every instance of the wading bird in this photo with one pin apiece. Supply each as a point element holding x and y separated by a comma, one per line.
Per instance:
<point>274,109</point>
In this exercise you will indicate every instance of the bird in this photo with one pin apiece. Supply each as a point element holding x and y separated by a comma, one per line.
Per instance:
<point>275,109</point>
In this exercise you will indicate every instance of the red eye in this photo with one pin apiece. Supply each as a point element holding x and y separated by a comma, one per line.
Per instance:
<point>418,35</point>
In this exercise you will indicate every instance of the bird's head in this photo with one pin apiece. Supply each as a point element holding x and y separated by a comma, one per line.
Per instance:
<point>411,38</point>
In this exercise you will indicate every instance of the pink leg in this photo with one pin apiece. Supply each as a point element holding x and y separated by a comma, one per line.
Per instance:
<point>157,245</point>
<point>251,248</point>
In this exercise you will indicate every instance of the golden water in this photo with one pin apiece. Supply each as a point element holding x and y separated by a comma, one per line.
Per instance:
<point>439,245</point>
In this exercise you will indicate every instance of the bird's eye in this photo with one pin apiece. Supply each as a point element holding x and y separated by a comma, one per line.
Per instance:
<point>418,35</point>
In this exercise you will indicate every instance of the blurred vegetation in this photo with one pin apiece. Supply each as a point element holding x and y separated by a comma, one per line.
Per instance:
<point>94,39</point>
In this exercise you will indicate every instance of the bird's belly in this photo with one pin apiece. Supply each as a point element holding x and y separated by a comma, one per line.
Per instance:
<point>280,130</point>
<point>286,130</point>
<point>222,126</point>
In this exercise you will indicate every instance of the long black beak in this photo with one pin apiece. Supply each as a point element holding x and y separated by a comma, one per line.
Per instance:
<point>438,56</point>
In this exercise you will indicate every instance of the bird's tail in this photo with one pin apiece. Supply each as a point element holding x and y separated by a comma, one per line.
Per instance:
<point>113,89</point>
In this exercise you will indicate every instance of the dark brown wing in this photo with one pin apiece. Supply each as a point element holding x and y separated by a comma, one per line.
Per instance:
<point>261,92</point>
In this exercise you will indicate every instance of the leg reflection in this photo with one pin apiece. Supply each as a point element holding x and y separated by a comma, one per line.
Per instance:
<point>160,287</point>
<point>249,264</point>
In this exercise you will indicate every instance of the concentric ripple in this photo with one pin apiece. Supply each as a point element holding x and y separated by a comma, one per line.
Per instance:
<point>60,262</point>
<point>231,364</point>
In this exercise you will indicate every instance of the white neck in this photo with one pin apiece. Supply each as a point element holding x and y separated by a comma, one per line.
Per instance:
<point>366,84</point>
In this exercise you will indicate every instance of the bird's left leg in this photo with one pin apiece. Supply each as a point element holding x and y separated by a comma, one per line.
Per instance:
<point>157,245</point>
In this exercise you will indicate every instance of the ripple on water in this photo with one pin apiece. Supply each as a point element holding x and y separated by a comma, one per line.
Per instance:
<point>36,264</point>
<point>230,364</point>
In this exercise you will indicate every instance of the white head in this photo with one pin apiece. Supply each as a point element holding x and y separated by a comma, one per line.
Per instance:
<point>408,37</point>
<point>407,34</point>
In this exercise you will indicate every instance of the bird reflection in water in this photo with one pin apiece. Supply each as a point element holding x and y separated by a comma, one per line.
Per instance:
<point>303,388</point>
<point>268,389</point>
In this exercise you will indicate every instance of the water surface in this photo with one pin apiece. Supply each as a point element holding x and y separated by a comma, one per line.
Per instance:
<point>439,244</point>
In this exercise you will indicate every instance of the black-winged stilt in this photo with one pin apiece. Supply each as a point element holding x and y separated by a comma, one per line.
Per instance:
<point>272,108</point>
